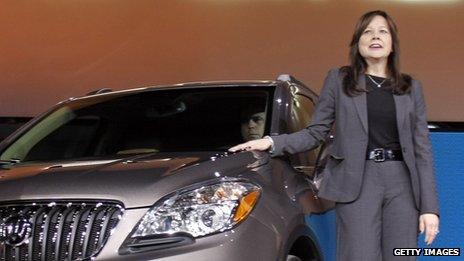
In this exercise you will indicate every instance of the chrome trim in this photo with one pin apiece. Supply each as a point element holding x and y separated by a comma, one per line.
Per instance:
<point>74,230</point>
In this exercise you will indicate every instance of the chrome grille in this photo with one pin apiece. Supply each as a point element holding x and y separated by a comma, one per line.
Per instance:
<point>56,231</point>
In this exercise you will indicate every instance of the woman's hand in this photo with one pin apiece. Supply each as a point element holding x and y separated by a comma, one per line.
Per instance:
<point>429,223</point>
<point>261,144</point>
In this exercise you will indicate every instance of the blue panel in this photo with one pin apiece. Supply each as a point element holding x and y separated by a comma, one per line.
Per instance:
<point>448,151</point>
<point>325,230</point>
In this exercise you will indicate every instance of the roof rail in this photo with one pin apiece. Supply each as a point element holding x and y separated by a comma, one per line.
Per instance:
<point>99,91</point>
<point>285,78</point>
<point>291,79</point>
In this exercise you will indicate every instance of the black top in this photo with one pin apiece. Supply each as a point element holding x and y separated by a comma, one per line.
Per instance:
<point>381,115</point>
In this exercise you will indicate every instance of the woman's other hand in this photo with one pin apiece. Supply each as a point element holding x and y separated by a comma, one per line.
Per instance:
<point>429,223</point>
<point>261,144</point>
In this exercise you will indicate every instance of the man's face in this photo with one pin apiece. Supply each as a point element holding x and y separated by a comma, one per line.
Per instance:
<point>253,126</point>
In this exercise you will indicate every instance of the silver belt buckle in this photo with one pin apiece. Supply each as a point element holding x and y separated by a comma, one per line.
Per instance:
<point>379,155</point>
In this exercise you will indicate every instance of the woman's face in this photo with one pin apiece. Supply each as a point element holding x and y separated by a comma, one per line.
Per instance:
<point>376,41</point>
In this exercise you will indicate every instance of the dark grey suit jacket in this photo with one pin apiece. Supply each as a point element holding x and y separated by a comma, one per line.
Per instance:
<point>347,155</point>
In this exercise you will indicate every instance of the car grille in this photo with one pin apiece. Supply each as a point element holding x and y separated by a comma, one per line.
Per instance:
<point>56,231</point>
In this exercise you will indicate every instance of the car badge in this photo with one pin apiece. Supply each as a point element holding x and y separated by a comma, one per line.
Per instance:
<point>15,231</point>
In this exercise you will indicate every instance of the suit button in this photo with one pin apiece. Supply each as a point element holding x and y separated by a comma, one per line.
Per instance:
<point>404,149</point>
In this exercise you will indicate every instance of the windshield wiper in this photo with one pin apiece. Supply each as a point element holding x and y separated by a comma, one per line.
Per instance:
<point>11,161</point>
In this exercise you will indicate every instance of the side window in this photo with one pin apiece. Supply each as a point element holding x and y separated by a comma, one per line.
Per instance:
<point>9,124</point>
<point>301,114</point>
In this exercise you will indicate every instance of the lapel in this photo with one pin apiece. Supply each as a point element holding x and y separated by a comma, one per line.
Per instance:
<point>360,102</point>
<point>401,102</point>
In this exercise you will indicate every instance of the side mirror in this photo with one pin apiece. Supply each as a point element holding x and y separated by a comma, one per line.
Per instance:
<point>308,199</point>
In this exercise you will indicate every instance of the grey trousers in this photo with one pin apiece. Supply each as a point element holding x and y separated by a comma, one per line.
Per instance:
<point>382,218</point>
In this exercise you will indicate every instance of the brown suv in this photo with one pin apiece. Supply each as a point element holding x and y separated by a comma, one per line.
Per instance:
<point>143,174</point>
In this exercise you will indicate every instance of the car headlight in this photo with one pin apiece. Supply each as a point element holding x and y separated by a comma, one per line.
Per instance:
<point>202,211</point>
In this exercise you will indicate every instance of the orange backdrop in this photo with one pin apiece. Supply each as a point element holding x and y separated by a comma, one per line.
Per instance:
<point>54,49</point>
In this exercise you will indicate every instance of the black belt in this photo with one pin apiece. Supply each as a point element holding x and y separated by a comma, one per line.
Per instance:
<point>381,154</point>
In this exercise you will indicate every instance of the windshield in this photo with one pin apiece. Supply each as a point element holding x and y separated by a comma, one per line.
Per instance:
<point>146,122</point>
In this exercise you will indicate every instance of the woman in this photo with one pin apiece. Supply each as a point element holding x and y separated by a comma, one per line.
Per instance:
<point>380,169</point>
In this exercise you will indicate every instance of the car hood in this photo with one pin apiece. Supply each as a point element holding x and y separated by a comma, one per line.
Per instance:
<point>135,182</point>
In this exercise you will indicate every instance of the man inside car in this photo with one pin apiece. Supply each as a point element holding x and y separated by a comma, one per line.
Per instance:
<point>253,122</point>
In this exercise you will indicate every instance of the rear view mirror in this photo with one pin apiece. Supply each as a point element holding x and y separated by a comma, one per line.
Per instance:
<point>166,109</point>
